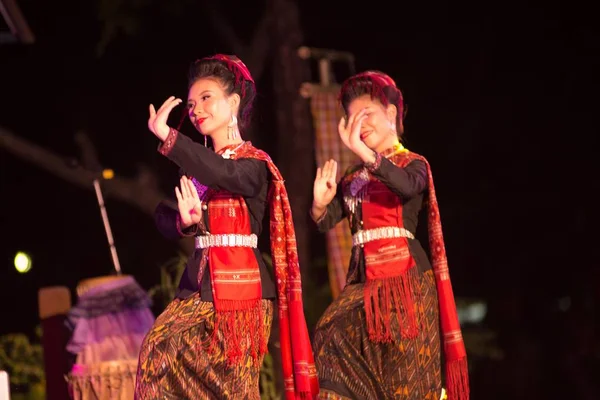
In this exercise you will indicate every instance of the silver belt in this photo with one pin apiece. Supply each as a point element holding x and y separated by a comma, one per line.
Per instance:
<point>385,232</point>
<point>226,240</point>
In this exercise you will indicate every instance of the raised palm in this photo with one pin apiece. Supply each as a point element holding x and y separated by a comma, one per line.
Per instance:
<point>325,185</point>
<point>188,202</point>
<point>157,121</point>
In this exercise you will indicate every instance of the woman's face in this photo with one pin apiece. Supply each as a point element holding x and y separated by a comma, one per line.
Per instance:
<point>378,130</point>
<point>210,108</point>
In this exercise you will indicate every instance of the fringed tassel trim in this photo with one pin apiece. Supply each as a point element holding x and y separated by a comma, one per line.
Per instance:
<point>457,379</point>
<point>242,325</point>
<point>384,296</point>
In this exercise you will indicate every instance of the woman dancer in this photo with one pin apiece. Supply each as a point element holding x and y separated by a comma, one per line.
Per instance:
<point>380,338</point>
<point>210,341</point>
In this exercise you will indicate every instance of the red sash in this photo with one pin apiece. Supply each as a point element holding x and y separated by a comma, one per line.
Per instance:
<point>237,304</point>
<point>392,279</point>
<point>235,277</point>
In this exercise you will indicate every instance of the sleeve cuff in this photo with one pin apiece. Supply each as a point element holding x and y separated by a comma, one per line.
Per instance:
<point>371,167</point>
<point>320,219</point>
<point>189,231</point>
<point>166,147</point>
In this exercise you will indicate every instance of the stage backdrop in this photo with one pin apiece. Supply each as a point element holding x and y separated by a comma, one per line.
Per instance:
<point>326,112</point>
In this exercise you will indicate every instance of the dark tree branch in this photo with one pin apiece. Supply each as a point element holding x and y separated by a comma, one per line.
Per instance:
<point>224,28</point>
<point>253,54</point>
<point>260,46</point>
<point>141,192</point>
<point>147,178</point>
<point>128,190</point>
<point>89,157</point>
<point>16,22</point>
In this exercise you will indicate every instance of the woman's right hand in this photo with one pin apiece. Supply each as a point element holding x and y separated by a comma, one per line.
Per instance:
<point>188,202</point>
<point>157,121</point>
<point>325,185</point>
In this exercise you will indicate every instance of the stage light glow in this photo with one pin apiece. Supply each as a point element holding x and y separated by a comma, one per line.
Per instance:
<point>108,174</point>
<point>22,262</point>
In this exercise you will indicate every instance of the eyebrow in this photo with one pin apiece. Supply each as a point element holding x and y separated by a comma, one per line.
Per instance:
<point>190,100</point>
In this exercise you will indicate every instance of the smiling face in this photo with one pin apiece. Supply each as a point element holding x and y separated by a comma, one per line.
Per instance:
<point>210,107</point>
<point>378,129</point>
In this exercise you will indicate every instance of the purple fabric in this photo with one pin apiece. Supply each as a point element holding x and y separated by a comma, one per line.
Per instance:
<point>108,286</point>
<point>110,297</point>
<point>110,320</point>
<point>97,329</point>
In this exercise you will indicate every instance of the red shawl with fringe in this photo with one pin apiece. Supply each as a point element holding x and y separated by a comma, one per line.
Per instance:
<point>391,282</point>
<point>237,306</point>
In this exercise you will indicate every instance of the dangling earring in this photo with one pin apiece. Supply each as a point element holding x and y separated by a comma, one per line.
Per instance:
<point>393,129</point>
<point>205,141</point>
<point>231,130</point>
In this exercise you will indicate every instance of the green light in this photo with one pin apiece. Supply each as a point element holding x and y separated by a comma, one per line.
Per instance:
<point>22,262</point>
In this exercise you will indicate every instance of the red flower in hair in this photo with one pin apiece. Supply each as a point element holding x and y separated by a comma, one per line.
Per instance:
<point>236,66</point>
<point>379,81</point>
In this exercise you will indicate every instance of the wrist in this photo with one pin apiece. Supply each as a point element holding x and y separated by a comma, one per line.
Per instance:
<point>364,152</point>
<point>369,156</point>
<point>163,133</point>
<point>186,224</point>
<point>185,229</point>
<point>374,162</point>
<point>317,210</point>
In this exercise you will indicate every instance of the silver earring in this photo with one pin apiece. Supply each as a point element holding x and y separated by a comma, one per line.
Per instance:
<point>231,132</point>
<point>205,141</point>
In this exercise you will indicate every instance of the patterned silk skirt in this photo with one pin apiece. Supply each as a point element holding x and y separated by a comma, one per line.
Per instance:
<point>350,366</point>
<point>181,360</point>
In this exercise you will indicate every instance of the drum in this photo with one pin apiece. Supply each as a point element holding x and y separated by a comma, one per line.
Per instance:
<point>108,323</point>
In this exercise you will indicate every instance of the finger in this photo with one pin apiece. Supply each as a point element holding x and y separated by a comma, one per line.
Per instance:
<point>358,118</point>
<point>318,174</point>
<point>167,107</point>
<point>173,104</point>
<point>152,111</point>
<point>195,194</point>
<point>166,102</point>
<point>350,120</point>
<point>178,195</point>
<point>357,126</point>
<point>332,166</point>
<point>184,187</point>
<point>192,189</point>
<point>333,173</point>
<point>198,207</point>
<point>342,125</point>
<point>344,132</point>
<point>327,170</point>
<point>354,116</point>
